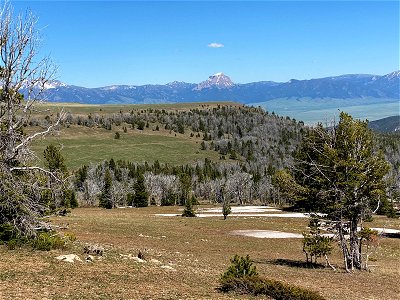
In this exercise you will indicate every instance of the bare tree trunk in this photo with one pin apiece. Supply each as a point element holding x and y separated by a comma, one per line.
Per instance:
<point>343,246</point>
<point>356,261</point>
<point>328,263</point>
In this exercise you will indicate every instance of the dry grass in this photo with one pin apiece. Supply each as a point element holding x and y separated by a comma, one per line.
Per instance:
<point>197,248</point>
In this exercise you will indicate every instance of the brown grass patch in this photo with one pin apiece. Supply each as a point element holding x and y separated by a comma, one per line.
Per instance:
<point>198,249</point>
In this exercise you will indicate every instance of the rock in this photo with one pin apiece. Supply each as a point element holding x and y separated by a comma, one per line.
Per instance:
<point>137,259</point>
<point>134,258</point>
<point>155,261</point>
<point>93,249</point>
<point>90,258</point>
<point>69,258</point>
<point>168,268</point>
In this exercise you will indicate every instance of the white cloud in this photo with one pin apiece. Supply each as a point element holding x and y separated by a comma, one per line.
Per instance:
<point>215,45</point>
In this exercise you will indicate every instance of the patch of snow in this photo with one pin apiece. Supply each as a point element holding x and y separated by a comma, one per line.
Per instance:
<point>218,74</point>
<point>267,234</point>
<point>285,215</point>
<point>53,84</point>
<point>242,209</point>
<point>383,230</point>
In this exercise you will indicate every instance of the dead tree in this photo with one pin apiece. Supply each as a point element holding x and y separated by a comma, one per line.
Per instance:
<point>23,78</point>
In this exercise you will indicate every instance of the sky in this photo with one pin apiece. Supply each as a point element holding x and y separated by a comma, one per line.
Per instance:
<point>101,43</point>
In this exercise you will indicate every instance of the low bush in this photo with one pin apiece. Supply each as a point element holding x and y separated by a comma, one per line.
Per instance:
<point>242,277</point>
<point>46,241</point>
<point>42,241</point>
<point>6,232</point>
<point>69,237</point>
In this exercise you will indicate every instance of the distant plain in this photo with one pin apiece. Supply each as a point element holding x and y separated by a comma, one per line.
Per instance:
<point>326,110</point>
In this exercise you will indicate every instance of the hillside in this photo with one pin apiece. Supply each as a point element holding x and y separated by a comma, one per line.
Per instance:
<point>389,124</point>
<point>175,134</point>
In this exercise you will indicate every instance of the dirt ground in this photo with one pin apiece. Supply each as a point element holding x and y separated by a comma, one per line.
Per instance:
<point>184,258</point>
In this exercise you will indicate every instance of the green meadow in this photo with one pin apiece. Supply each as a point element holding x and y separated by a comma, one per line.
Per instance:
<point>83,145</point>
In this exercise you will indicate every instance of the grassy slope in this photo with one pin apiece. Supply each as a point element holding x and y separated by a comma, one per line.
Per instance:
<point>198,248</point>
<point>78,108</point>
<point>83,145</point>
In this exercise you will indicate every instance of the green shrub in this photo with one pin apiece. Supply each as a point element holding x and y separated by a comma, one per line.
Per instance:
<point>240,267</point>
<point>6,232</point>
<point>46,241</point>
<point>69,237</point>
<point>316,245</point>
<point>283,291</point>
<point>242,277</point>
<point>12,244</point>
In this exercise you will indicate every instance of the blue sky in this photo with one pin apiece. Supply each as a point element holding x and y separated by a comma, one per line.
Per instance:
<point>99,43</point>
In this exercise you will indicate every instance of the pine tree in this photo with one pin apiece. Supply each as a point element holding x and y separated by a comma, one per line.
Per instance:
<point>342,174</point>
<point>54,159</point>
<point>56,196</point>
<point>106,197</point>
<point>140,198</point>
<point>188,211</point>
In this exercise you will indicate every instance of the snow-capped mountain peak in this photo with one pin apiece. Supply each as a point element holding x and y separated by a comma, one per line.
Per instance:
<point>393,75</point>
<point>53,84</point>
<point>218,80</point>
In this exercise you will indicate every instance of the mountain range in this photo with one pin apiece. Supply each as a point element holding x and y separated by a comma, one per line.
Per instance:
<point>219,87</point>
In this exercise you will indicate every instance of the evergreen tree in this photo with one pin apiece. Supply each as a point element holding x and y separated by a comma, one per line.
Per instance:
<point>342,174</point>
<point>226,207</point>
<point>140,199</point>
<point>54,159</point>
<point>186,185</point>
<point>106,197</point>
<point>56,192</point>
<point>188,211</point>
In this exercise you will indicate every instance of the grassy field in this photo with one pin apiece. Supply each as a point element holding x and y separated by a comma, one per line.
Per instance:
<point>198,250</point>
<point>83,145</point>
<point>85,109</point>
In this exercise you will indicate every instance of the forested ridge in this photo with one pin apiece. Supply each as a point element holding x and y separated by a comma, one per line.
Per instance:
<point>256,152</point>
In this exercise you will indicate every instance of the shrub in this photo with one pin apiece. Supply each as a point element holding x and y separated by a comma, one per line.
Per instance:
<point>226,209</point>
<point>242,277</point>
<point>188,211</point>
<point>283,291</point>
<point>69,237</point>
<point>46,241</point>
<point>240,267</point>
<point>6,232</point>
<point>316,245</point>
<point>12,244</point>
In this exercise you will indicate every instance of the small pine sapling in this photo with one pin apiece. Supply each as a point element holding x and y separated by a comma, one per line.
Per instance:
<point>316,245</point>
<point>226,209</point>
<point>188,211</point>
